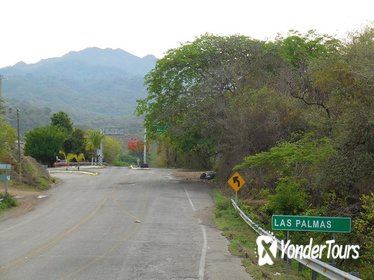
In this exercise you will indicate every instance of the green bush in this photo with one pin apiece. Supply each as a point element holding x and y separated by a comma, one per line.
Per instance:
<point>222,204</point>
<point>364,226</point>
<point>120,163</point>
<point>125,159</point>
<point>290,198</point>
<point>7,201</point>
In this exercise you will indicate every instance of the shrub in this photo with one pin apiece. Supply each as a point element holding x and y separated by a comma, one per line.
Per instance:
<point>289,199</point>
<point>7,201</point>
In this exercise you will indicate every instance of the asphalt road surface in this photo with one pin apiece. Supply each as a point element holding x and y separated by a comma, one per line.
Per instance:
<point>121,224</point>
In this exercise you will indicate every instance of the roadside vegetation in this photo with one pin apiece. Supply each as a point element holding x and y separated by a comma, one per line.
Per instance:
<point>295,116</point>
<point>43,145</point>
<point>58,141</point>
<point>61,139</point>
<point>29,173</point>
<point>7,201</point>
<point>243,244</point>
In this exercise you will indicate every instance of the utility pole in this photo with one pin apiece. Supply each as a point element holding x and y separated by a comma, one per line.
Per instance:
<point>19,149</point>
<point>19,154</point>
<point>145,148</point>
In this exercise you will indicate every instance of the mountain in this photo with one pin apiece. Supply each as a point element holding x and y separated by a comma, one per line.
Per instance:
<point>96,87</point>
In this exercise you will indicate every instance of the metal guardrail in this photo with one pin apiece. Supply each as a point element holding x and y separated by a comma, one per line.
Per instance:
<point>315,265</point>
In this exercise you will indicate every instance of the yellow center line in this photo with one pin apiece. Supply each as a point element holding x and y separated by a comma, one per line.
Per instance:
<point>104,254</point>
<point>122,208</point>
<point>49,244</point>
<point>118,243</point>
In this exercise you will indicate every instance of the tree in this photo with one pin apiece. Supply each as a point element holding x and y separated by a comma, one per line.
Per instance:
<point>7,139</point>
<point>289,158</point>
<point>63,121</point>
<point>194,74</point>
<point>350,172</point>
<point>76,142</point>
<point>44,143</point>
<point>136,146</point>
<point>292,164</point>
<point>255,121</point>
<point>70,157</point>
<point>189,89</point>
<point>364,226</point>
<point>78,158</point>
<point>112,149</point>
<point>300,51</point>
<point>93,142</point>
<point>66,158</point>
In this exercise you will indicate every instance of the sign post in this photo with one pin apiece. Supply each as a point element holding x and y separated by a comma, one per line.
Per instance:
<point>236,182</point>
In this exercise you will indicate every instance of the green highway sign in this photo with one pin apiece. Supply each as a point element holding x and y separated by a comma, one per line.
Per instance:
<point>311,223</point>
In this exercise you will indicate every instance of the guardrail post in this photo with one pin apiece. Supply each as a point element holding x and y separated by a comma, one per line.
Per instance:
<point>334,238</point>
<point>314,275</point>
<point>288,260</point>
<point>355,273</point>
<point>288,263</point>
<point>300,267</point>
<point>333,263</point>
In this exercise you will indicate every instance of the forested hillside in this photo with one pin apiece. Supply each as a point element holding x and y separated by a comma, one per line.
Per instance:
<point>97,87</point>
<point>295,116</point>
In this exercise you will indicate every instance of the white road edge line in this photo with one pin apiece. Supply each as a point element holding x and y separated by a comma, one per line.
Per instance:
<point>189,199</point>
<point>205,242</point>
<point>203,254</point>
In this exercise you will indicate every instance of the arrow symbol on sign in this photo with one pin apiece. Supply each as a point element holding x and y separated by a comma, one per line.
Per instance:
<point>236,180</point>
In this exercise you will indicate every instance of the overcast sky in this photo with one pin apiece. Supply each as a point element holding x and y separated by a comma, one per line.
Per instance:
<point>35,29</point>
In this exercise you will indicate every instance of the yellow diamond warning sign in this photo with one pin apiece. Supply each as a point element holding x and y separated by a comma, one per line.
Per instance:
<point>236,181</point>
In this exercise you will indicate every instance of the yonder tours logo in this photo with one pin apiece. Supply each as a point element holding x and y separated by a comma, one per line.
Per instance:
<point>308,251</point>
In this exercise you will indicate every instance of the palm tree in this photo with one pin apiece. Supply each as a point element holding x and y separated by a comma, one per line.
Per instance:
<point>94,139</point>
<point>67,159</point>
<point>78,158</point>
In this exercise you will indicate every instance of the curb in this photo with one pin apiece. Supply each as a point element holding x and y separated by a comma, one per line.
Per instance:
<point>75,172</point>
<point>138,168</point>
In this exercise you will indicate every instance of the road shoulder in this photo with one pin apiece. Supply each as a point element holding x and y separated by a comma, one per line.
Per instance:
<point>220,264</point>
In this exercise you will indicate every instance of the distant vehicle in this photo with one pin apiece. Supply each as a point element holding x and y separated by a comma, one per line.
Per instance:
<point>208,175</point>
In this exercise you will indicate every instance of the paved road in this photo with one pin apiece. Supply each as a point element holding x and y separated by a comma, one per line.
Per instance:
<point>121,224</point>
